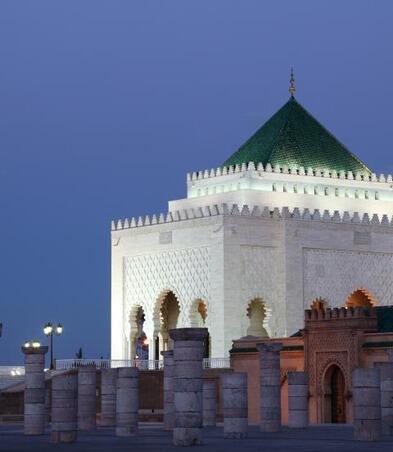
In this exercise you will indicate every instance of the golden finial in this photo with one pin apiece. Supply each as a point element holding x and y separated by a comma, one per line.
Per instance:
<point>292,88</point>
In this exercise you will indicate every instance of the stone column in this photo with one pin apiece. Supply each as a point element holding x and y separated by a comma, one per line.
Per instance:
<point>127,401</point>
<point>108,397</point>
<point>209,397</point>
<point>270,386</point>
<point>169,369</point>
<point>366,404</point>
<point>87,382</point>
<point>297,399</point>
<point>152,347</point>
<point>386,385</point>
<point>235,403</point>
<point>64,407</point>
<point>48,404</point>
<point>34,396</point>
<point>188,356</point>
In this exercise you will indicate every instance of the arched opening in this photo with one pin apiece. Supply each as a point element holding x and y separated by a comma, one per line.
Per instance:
<point>360,298</point>
<point>319,303</point>
<point>198,320</point>
<point>165,319</point>
<point>256,313</point>
<point>334,396</point>
<point>198,314</point>
<point>138,340</point>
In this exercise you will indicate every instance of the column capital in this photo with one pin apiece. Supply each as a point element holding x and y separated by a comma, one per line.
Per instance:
<point>188,334</point>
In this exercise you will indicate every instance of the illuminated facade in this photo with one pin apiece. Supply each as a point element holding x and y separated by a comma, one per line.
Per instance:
<point>290,219</point>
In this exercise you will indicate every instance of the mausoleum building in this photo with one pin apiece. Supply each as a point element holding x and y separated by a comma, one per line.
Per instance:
<point>291,220</point>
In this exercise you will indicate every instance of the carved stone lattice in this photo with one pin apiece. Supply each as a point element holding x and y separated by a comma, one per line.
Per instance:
<point>185,272</point>
<point>261,280</point>
<point>334,275</point>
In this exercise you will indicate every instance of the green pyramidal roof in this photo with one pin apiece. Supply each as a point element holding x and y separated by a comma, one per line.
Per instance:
<point>293,137</point>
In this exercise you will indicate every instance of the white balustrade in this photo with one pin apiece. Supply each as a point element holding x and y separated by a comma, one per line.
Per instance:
<point>141,364</point>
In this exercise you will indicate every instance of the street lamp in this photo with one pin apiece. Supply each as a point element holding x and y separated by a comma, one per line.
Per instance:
<point>50,330</point>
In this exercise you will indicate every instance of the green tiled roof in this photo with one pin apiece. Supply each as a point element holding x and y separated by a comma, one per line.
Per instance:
<point>293,137</point>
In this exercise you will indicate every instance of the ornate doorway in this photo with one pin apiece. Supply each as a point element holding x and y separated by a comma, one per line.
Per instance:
<point>335,403</point>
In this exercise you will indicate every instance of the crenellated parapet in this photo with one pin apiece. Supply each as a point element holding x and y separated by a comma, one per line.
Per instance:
<point>275,214</point>
<point>294,170</point>
<point>340,318</point>
<point>290,180</point>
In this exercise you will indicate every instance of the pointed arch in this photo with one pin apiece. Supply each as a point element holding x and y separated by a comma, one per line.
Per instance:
<point>334,387</point>
<point>360,298</point>
<point>138,342</point>
<point>197,319</point>
<point>319,303</point>
<point>257,318</point>
<point>198,313</point>
<point>166,296</point>
<point>165,317</point>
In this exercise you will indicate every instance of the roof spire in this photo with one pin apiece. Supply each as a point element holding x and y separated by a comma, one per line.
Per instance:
<point>292,88</point>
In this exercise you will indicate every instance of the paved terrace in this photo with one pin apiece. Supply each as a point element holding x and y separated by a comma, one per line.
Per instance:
<point>153,439</point>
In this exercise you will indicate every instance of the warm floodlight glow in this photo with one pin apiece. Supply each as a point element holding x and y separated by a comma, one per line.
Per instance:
<point>48,329</point>
<point>27,344</point>
<point>36,344</point>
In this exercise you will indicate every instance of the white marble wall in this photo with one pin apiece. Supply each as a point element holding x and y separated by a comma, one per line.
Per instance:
<point>228,260</point>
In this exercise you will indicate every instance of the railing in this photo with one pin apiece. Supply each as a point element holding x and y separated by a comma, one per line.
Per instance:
<point>216,363</point>
<point>142,364</point>
<point>12,371</point>
<point>10,375</point>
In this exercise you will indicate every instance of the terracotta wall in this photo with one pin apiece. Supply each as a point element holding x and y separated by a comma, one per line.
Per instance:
<point>245,358</point>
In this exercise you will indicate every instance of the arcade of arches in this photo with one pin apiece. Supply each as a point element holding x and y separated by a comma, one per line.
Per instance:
<point>165,317</point>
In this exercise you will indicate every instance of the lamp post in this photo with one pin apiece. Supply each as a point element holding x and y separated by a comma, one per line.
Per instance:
<point>50,330</point>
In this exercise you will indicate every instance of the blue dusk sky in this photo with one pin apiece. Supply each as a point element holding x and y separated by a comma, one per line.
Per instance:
<point>106,105</point>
